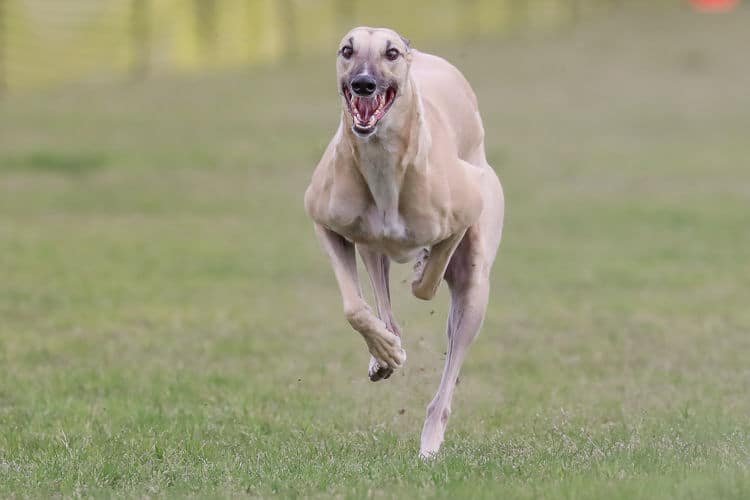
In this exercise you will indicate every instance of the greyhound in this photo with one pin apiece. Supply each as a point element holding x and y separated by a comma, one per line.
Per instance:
<point>405,178</point>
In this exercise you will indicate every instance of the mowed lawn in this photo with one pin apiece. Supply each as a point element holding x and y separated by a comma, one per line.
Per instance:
<point>170,327</point>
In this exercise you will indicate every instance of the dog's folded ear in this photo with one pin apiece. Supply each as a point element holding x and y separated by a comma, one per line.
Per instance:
<point>406,41</point>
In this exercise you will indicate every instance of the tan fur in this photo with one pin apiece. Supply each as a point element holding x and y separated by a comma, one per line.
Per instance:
<point>419,186</point>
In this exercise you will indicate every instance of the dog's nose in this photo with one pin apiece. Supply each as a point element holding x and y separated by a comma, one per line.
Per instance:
<point>364,85</point>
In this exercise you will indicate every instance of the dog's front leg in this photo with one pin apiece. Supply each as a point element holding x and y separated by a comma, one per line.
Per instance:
<point>378,267</point>
<point>384,346</point>
<point>431,270</point>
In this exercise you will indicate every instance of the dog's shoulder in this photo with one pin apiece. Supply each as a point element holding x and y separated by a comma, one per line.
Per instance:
<point>336,189</point>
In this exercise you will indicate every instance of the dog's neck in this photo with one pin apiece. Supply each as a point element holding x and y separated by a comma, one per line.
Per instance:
<point>398,144</point>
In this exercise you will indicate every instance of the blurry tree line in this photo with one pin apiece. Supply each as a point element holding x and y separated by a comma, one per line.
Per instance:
<point>44,42</point>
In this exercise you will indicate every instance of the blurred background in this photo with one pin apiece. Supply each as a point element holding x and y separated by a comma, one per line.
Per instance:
<point>46,42</point>
<point>168,322</point>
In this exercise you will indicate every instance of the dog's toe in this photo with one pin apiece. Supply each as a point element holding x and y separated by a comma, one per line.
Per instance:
<point>377,372</point>
<point>420,262</point>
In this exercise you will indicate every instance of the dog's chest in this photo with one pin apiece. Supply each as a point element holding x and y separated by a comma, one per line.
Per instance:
<point>370,209</point>
<point>382,177</point>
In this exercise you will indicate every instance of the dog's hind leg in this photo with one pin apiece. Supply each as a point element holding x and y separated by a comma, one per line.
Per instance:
<point>378,267</point>
<point>468,278</point>
<point>431,267</point>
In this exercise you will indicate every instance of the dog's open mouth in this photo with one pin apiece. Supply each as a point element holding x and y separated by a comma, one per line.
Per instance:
<point>367,111</point>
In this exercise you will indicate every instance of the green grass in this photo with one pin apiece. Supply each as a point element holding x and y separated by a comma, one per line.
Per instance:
<point>169,326</point>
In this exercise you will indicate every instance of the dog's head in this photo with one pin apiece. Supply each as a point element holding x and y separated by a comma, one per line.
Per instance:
<point>372,65</point>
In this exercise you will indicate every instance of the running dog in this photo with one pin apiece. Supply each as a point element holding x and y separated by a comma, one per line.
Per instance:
<point>405,178</point>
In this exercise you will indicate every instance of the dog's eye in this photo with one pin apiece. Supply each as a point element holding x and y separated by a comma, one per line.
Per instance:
<point>392,54</point>
<point>346,52</point>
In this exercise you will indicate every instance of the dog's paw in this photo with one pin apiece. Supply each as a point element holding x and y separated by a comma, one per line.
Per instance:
<point>420,289</point>
<point>432,433</point>
<point>420,264</point>
<point>386,350</point>
<point>377,372</point>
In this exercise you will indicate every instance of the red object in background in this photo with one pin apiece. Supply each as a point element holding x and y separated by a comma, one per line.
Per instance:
<point>714,5</point>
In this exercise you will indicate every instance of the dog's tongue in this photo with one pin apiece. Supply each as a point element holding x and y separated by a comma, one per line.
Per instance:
<point>366,108</point>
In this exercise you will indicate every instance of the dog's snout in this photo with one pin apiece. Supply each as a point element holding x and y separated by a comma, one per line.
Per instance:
<point>364,85</point>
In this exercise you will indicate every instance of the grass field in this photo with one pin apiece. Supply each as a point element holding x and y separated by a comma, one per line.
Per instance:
<point>169,326</point>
